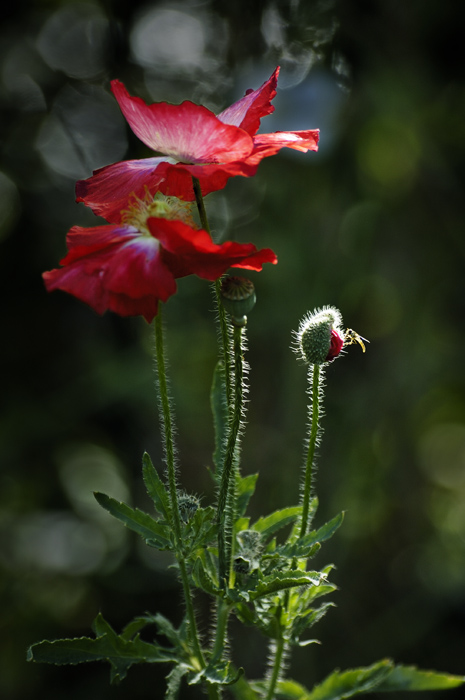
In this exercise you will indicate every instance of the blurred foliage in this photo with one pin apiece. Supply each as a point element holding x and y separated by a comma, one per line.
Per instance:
<point>373,224</point>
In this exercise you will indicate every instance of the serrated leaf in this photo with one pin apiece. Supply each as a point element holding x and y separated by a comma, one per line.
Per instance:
<point>219,406</point>
<point>412,678</point>
<point>155,487</point>
<point>245,490</point>
<point>136,520</point>
<point>202,579</point>
<point>173,681</point>
<point>108,646</point>
<point>135,626</point>
<point>210,565</point>
<point>306,620</point>
<point>280,581</point>
<point>222,673</point>
<point>200,530</point>
<point>166,628</point>
<point>277,520</point>
<point>328,529</point>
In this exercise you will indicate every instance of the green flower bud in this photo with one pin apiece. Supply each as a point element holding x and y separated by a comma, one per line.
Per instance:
<point>320,337</point>
<point>238,298</point>
<point>187,505</point>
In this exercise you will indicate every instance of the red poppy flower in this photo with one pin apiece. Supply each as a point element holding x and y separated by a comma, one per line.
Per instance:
<point>129,268</point>
<point>194,143</point>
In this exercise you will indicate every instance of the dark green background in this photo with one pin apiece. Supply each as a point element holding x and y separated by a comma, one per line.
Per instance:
<point>373,224</point>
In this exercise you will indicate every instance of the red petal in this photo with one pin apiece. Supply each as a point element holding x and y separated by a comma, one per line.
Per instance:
<point>268,144</point>
<point>247,112</point>
<point>108,191</point>
<point>187,132</point>
<point>186,251</point>
<point>110,270</point>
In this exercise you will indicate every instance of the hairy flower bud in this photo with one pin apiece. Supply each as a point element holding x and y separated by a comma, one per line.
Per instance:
<point>188,505</point>
<point>320,337</point>
<point>238,298</point>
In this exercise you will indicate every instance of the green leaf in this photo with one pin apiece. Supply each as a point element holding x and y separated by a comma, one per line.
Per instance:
<point>308,619</point>
<point>277,520</point>
<point>345,684</point>
<point>219,406</point>
<point>280,581</point>
<point>210,565</point>
<point>245,490</point>
<point>174,679</point>
<point>155,487</point>
<point>222,673</point>
<point>133,627</point>
<point>166,628</point>
<point>107,646</point>
<point>200,530</point>
<point>243,691</point>
<point>147,527</point>
<point>411,678</point>
<point>328,530</point>
<point>202,579</point>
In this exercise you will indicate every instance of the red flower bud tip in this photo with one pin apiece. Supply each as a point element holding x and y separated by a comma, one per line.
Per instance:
<point>320,337</point>
<point>335,347</point>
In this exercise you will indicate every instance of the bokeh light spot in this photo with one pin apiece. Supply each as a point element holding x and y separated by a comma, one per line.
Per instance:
<point>168,38</point>
<point>73,40</point>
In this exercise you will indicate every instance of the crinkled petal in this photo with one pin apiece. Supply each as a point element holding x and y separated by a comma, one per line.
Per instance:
<point>188,132</point>
<point>268,144</point>
<point>82,242</point>
<point>110,270</point>
<point>186,251</point>
<point>109,189</point>
<point>177,181</point>
<point>247,112</point>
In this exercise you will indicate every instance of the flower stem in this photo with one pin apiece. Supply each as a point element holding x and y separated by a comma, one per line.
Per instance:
<point>222,615</point>
<point>200,204</point>
<point>276,670</point>
<point>167,423</point>
<point>225,338</point>
<point>226,497</point>
<point>316,377</point>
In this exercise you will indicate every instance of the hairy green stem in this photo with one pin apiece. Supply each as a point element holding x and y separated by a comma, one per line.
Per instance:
<point>225,338</point>
<point>315,415</point>
<point>226,497</point>
<point>167,423</point>
<point>276,670</point>
<point>222,615</point>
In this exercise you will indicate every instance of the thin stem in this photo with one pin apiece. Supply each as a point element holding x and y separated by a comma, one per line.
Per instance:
<point>167,423</point>
<point>276,672</point>
<point>315,413</point>
<point>222,615</point>
<point>200,204</point>
<point>225,342</point>
<point>225,339</point>
<point>226,497</point>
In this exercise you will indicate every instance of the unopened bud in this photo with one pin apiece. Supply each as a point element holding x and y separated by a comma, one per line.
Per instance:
<point>187,505</point>
<point>320,337</point>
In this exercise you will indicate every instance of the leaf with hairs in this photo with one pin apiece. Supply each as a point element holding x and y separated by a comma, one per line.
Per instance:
<point>107,646</point>
<point>151,530</point>
<point>155,487</point>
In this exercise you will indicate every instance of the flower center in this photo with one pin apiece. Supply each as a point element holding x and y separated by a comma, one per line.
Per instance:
<point>139,210</point>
